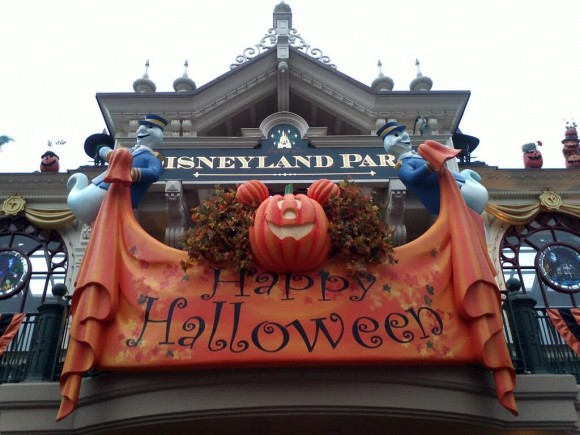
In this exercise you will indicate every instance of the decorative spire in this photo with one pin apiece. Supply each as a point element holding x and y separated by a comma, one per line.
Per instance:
<point>417,63</point>
<point>421,82</point>
<point>380,65</point>
<point>184,84</point>
<point>144,85</point>
<point>382,83</point>
<point>282,12</point>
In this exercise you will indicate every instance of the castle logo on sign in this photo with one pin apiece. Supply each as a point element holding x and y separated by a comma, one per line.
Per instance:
<point>284,141</point>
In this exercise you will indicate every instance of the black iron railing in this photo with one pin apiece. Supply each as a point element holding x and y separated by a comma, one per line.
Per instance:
<point>15,359</point>
<point>559,357</point>
<point>27,356</point>
<point>534,344</point>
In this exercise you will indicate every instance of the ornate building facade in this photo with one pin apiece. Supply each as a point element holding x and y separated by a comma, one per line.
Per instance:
<point>283,93</point>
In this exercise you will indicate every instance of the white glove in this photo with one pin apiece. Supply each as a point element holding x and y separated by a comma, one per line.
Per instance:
<point>103,153</point>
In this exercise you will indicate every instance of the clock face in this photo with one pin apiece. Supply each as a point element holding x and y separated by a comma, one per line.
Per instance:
<point>559,266</point>
<point>15,270</point>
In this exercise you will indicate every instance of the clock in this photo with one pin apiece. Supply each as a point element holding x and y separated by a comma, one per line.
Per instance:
<point>559,266</point>
<point>15,270</point>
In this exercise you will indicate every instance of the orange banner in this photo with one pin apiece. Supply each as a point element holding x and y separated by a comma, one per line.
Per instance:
<point>9,325</point>
<point>134,307</point>
<point>567,323</point>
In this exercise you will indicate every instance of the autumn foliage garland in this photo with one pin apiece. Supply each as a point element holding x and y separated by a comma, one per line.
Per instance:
<point>358,234</point>
<point>220,235</point>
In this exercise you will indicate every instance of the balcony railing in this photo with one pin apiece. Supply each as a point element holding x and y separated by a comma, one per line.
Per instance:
<point>38,349</point>
<point>535,345</point>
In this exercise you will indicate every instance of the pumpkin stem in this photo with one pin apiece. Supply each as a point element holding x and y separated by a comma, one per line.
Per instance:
<point>289,189</point>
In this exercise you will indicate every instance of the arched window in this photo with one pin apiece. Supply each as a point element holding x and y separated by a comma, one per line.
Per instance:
<point>545,256</point>
<point>42,254</point>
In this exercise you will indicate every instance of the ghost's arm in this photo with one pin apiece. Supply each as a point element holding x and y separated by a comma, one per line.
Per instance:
<point>415,170</point>
<point>148,169</point>
<point>105,153</point>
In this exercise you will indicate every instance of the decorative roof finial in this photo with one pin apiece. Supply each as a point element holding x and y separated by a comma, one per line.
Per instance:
<point>282,12</point>
<point>382,83</point>
<point>421,82</point>
<point>417,63</point>
<point>144,85</point>
<point>146,75</point>
<point>380,65</point>
<point>184,83</point>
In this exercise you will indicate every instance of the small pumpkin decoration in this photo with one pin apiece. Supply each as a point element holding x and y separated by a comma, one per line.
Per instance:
<point>322,190</point>
<point>533,159</point>
<point>49,162</point>
<point>532,155</point>
<point>290,233</point>
<point>251,192</point>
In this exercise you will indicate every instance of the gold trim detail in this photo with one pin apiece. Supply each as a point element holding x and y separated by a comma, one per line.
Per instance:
<point>522,214</point>
<point>41,218</point>
<point>13,205</point>
<point>550,200</point>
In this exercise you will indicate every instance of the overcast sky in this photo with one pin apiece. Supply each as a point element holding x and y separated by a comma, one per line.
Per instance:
<point>519,59</point>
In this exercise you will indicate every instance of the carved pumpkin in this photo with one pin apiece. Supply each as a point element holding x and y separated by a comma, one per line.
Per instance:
<point>570,147</point>
<point>252,191</point>
<point>290,234</point>
<point>49,162</point>
<point>533,159</point>
<point>573,161</point>
<point>322,190</point>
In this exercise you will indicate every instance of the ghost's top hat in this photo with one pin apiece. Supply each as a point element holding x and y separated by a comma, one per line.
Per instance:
<point>153,121</point>
<point>49,154</point>
<point>464,142</point>
<point>389,128</point>
<point>96,141</point>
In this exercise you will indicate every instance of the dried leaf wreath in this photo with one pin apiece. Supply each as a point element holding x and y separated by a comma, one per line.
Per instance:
<point>219,237</point>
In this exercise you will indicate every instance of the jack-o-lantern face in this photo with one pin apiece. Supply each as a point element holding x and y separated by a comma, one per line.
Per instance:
<point>573,161</point>
<point>49,162</point>
<point>533,159</point>
<point>290,234</point>
<point>570,147</point>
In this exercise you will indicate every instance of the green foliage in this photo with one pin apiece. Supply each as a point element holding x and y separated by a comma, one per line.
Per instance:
<point>4,140</point>
<point>51,143</point>
<point>219,237</point>
<point>358,234</point>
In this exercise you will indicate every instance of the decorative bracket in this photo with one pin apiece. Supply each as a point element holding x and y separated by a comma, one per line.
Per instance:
<point>176,212</point>
<point>395,215</point>
<point>290,38</point>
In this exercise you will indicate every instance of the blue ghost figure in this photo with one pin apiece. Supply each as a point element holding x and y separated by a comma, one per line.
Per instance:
<point>85,197</point>
<point>421,179</point>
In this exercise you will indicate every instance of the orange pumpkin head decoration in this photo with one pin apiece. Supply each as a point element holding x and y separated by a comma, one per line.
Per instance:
<point>290,233</point>
<point>49,162</point>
